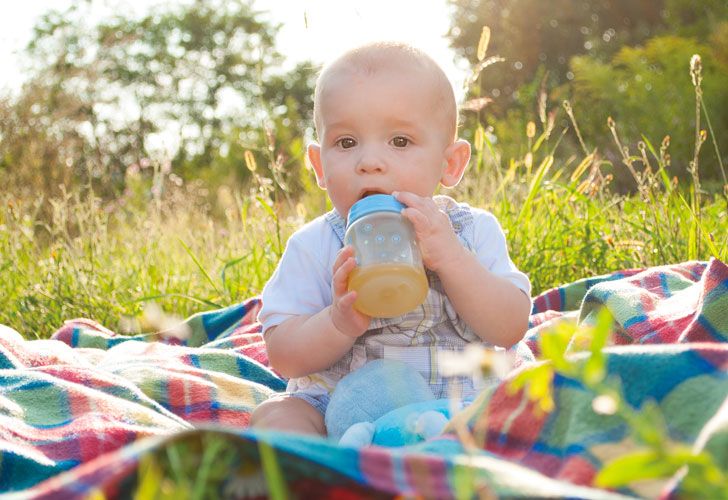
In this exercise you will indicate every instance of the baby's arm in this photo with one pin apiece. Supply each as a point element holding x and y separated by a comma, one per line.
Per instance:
<point>492,306</point>
<point>307,344</point>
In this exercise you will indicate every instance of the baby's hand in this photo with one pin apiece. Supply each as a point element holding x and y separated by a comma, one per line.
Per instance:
<point>435,236</point>
<point>346,319</point>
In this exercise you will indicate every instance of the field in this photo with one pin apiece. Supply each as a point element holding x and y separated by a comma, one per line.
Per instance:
<point>183,249</point>
<point>171,244</point>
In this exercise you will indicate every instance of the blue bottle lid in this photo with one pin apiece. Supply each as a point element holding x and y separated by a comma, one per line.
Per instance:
<point>373,203</point>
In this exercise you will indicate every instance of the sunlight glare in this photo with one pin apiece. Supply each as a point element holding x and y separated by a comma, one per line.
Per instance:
<point>321,29</point>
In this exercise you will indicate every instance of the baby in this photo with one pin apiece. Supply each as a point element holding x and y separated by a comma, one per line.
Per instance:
<point>386,120</point>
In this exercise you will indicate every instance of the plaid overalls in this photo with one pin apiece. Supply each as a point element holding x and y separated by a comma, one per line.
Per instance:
<point>415,337</point>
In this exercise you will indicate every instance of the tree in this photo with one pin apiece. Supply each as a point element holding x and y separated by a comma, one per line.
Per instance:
<point>624,58</point>
<point>30,144</point>
<point>183,83</point>
<point>535,36</point>
<point>648,91</point>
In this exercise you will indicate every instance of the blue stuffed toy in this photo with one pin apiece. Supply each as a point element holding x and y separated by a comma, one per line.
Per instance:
<point>387,403</point>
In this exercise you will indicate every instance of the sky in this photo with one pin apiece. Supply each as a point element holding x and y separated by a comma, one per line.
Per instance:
<point>317,30</point>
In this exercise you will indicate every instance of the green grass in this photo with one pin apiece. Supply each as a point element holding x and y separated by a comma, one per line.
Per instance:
<point>84,258</point>
<point>189,250</point>
<point>185,249</point>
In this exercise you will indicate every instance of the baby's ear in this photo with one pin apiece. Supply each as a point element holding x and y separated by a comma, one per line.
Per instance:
<point>313,154</point>
<point>457,156</point>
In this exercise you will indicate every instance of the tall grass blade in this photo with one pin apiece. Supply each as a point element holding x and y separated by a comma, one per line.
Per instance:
<point>491,150</point>
<point>715,143</point>
<point>277,488</point>
<point>663,174</point>
<point>199,265</point>
<point>211,449</point>
<point>228,265</point>
<point>274,216</point>
<point>177,295</point>
<point>150,479</point>
<point>537,144</point>
<point>535,186</point>
<point>701,230</point>
<point>581,168</point>
<point>177,467</point>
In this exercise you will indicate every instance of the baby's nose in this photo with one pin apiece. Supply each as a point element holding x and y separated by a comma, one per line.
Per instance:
<point>371,163</point>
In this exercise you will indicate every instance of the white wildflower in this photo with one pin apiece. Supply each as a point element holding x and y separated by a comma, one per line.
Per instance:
<point>604,405</point>
<point>475,361</point>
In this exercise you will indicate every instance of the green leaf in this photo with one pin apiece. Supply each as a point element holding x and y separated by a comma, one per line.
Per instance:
<point>594,369</point>
<point>528,375</point>
<point>536,382</point>
<point>464,481</point>
<point>150,478</point>
<point>649,425</point>
<point>595,366</point>
<point>273,474</point>
<point>553,344</point>
<point>636,466</point>
<point>602,329</point>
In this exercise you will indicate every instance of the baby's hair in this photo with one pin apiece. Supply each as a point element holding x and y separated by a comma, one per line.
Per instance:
<point>377,56</point>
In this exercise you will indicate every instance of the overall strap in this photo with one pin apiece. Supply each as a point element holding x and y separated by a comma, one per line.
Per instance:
<point>337,224</point>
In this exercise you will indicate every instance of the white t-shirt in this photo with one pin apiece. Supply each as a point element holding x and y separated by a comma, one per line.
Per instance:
<point>301,284</point>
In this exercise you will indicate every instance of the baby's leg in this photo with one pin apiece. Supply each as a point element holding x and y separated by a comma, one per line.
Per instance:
<point>288,413</point>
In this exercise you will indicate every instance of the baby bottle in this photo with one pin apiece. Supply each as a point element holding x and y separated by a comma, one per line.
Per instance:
<point>389,278</point>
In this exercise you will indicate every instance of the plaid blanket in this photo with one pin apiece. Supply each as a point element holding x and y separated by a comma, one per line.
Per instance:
<point>79,412</point>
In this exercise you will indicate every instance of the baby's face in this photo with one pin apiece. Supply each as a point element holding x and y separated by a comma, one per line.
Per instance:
<point>380,133</point>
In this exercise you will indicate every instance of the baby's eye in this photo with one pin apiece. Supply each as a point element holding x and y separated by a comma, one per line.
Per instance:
<point>346,142</point>
<point>400,142</point>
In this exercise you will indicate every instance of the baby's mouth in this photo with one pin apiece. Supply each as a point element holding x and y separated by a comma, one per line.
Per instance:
<point>370,192</point>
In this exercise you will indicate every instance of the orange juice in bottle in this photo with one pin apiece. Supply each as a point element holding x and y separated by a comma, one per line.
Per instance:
<point>389,278</point>
<point>388,290</point>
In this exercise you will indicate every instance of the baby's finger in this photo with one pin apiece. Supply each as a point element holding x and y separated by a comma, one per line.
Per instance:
<point>341,276</point>
<point>409,199</point>
<point>425,205</point>
<point>346,301</point>
<point>346,319</point>
<point>418,219</point>
<point>344,254</point>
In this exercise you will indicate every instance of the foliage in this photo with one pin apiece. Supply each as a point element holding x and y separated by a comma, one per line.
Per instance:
<point>622,59</point>
<point>193,244</point>
<point>531,34</point>
<point>654,455</point>
<point>108,261</point>
<point>187,253</point>
<point>34,153</point>
<point>193,466</point>
<point>191,86</point>
<point>648,90</point>
<point>696,20</point>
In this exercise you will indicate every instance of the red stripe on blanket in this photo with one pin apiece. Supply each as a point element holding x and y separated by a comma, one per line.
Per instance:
<point>513,426</point>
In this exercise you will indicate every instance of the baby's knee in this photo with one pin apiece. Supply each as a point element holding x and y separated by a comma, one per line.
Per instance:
<point>265,411</point>
<point>288,413</point>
